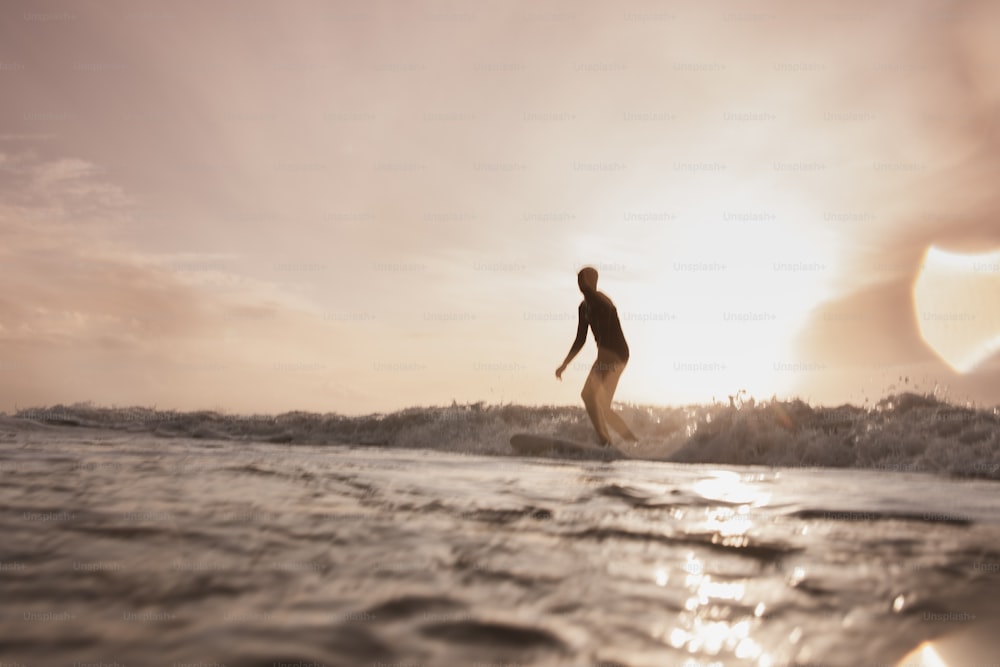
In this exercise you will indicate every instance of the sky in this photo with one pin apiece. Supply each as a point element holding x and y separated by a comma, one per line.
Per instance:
<point>261,206</point>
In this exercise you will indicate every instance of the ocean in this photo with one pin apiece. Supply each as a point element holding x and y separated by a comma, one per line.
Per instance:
<point>767,534</point>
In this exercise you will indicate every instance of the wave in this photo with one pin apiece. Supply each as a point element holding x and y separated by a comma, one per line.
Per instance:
<point>905,432</point>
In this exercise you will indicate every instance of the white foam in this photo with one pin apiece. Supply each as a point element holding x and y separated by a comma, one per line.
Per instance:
<point>905,432</point>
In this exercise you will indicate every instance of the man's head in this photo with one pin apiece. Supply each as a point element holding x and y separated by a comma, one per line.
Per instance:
<point>587,279</point>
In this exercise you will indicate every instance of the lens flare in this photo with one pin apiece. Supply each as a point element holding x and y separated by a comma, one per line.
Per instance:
<point>956,299</point>
<point>923,656</point>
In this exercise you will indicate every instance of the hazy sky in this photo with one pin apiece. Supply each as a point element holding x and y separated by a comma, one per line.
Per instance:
<point>364,206</point>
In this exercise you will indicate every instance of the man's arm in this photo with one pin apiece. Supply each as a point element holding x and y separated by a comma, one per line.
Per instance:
<point>581,338</point>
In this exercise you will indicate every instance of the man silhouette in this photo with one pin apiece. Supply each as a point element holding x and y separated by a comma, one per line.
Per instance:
<point>599,313</point>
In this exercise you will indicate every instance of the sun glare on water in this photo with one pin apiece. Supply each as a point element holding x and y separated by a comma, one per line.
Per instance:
<point>714,623</point>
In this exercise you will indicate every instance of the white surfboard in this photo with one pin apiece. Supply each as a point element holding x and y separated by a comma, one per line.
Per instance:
<point>530,444</point>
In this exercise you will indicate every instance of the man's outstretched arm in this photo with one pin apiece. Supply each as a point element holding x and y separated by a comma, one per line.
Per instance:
<point>581,338</point>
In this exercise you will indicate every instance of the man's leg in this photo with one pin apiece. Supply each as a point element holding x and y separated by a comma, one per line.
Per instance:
<point>593,399</point>
<point>611,417</point>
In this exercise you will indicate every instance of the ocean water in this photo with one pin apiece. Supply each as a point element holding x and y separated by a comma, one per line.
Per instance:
<point>133,537</point>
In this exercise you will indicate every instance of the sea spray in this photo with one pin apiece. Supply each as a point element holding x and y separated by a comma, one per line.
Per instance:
<point>903,432</point>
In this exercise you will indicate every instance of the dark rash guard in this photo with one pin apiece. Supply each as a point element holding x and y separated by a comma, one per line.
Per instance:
<point>599,313</point>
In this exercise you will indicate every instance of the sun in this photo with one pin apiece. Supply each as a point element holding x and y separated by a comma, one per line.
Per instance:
<point>732,284</point>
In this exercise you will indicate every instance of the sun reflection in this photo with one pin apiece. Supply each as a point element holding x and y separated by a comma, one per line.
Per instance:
<point>727,487</point>
<point>727,521</point>
<point>706,627</point>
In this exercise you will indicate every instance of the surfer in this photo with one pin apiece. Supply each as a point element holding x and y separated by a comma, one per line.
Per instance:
<point>599,313</point>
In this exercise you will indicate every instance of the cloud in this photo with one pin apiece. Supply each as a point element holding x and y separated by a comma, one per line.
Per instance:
<point>868,343</point>
<point>873,326</point>
<point>85,317</point>
<point>307,187</point>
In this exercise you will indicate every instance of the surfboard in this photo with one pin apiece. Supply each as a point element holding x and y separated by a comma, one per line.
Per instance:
<point>530,444</point>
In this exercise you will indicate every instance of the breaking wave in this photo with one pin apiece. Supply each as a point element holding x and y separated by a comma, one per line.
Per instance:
<point>905,432</point>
